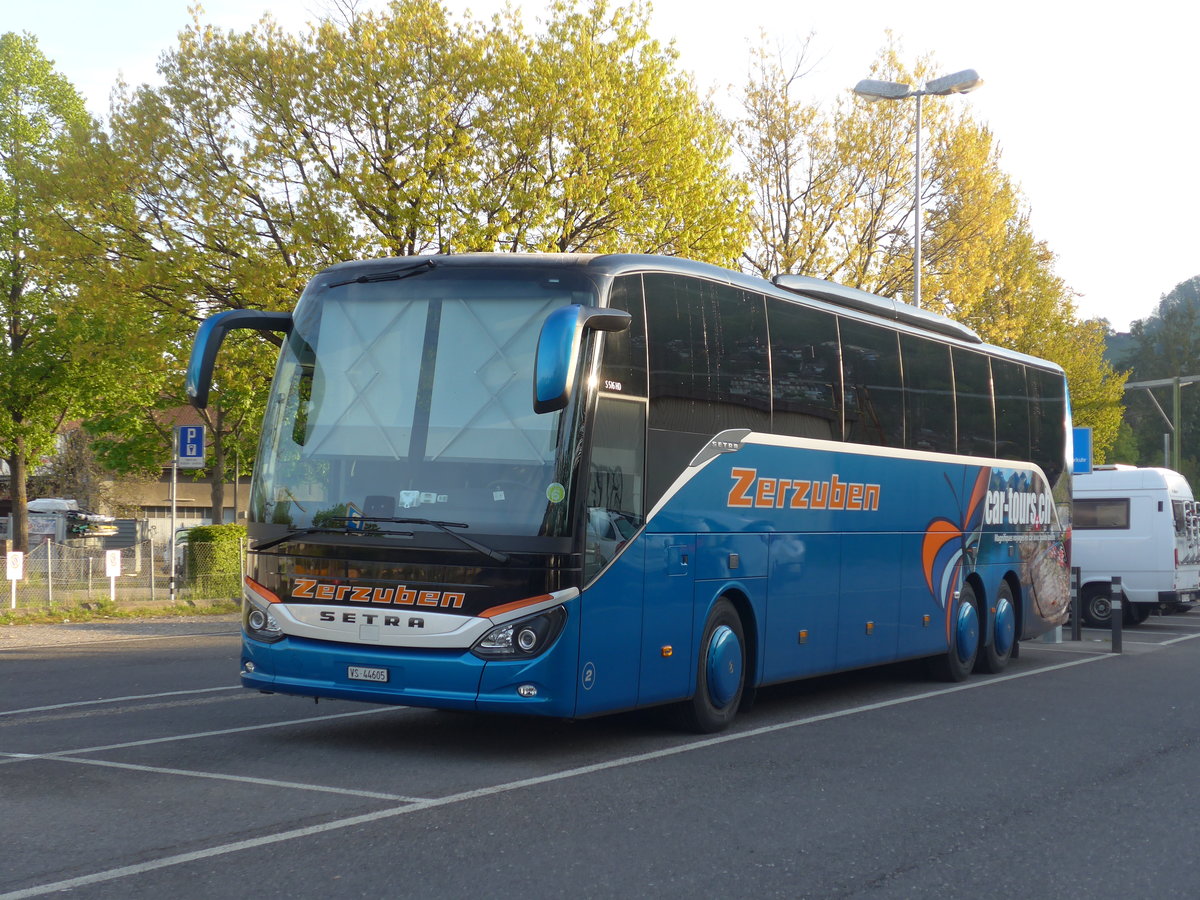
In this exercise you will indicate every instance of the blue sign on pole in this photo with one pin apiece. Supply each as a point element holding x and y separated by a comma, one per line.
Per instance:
<point>1082,464</point>
<point>189,446</point>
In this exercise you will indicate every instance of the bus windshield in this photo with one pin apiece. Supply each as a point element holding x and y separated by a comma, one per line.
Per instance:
<point>411,397</point>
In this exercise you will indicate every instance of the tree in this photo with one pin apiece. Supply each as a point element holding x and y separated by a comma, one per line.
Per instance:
<point>834,200</point>
<point>265,156</point>
<point>1166,344</point>
<point>48,370</point>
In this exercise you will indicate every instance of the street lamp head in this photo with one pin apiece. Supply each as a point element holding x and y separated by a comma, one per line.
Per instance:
<point>959,83</point>
<point>870,89</point>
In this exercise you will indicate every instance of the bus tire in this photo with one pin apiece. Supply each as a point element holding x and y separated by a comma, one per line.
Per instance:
<point>1095,608</point>
<point>959,659</point>
<point>995,654</point>
<point>720,672</point>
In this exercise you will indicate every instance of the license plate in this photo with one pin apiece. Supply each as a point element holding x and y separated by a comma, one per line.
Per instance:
<point>366,673</point>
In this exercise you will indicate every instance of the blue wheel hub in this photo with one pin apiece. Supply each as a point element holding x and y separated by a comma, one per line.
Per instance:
<point>1006,626</point>
<point>966,632</point>
<point>724,666</point>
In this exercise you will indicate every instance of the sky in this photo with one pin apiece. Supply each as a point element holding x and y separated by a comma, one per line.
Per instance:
<point>1089,103</point>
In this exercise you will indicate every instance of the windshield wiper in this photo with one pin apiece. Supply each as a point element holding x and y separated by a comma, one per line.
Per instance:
<point>496,555</point>
<point>291,535</point>
<point>390,275</point>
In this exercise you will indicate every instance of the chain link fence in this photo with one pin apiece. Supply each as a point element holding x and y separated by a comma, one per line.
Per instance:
<point>62,576</point>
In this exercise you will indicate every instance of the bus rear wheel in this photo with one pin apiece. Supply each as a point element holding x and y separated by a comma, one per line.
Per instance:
<point>995,654</point>
<point>720,672</point>
<point>959,659</point>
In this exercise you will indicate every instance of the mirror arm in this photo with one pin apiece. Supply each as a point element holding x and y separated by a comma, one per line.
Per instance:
<point>211,334</point>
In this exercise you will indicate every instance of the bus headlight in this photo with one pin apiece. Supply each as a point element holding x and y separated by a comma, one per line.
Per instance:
<point>257,620</point>
<point>522,638</point>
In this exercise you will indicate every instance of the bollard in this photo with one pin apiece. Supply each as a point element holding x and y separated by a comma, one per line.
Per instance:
<point>1116,612</point>
<point>1076,625</point>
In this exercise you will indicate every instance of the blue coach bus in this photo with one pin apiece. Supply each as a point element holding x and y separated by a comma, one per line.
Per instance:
<point>568,485</point>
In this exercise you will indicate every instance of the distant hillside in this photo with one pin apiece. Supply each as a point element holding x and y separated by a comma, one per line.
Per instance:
<point>1118,348</point>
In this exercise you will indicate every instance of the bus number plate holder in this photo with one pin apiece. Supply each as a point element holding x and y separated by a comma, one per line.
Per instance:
<point>367,673</point>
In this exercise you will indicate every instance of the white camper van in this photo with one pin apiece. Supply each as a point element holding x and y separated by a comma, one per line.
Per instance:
<point>1142,525</point>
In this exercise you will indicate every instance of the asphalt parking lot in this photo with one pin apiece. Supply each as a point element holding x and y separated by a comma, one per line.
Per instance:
<point>132,765</point>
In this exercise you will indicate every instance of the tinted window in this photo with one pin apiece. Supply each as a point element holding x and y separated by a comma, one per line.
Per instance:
<point>623,369</point>
<point>928,395</point>
<point>1096,514</point>
<point>708,356</point>
<point>873,386</point>
<point>1012,410</point>
<point>616,483</point>
<point>973,403</point>
<point>806,368</point>
<point>1047,414</point>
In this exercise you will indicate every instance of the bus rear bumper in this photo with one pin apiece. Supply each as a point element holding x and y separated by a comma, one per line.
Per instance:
<point>437,679</point>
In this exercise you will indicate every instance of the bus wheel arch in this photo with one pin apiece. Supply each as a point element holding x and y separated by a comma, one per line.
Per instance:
<point>1003,626</point>
<point>722,669</point>
<point>745,610</point>
<point>964,639</point>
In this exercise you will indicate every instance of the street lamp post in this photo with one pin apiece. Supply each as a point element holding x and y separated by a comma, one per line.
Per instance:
<point>959,83</point>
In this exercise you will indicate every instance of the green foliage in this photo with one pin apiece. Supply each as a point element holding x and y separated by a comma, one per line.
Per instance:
<point>1125,449</point>
<point>50,366</point>
<point>1166,344</point>
<point>222,536</point>
<point>834,199</point>
<point>265,156</point>
<point>215,558</point>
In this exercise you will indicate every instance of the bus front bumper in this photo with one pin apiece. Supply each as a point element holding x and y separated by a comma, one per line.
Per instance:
<point>438,679</point>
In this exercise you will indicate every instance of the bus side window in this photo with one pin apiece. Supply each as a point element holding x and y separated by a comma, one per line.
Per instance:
<point>709,369</point>
<point>973,403</point>
<point>616,481</point>
<point>873,384</point>
<point>1012,410</point>
<point>806,370</point>
<point>1047,412</point>
<point>928,395</point>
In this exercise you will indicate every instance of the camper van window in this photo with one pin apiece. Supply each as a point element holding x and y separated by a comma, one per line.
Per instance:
<point>1179,508</point>
<point>1101,514</point>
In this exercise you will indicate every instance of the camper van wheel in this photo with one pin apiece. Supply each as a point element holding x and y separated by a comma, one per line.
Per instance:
<point>1096,607</point>
<point>1136,613</point>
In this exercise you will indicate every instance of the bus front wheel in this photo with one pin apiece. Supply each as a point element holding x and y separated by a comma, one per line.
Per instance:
<point>959,659</point>
<point>720,672</point>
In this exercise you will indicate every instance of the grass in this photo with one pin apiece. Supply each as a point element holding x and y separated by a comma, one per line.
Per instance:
<point>105,610</point>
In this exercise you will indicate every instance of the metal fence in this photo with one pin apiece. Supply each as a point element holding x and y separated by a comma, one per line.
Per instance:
<point>60,575</point>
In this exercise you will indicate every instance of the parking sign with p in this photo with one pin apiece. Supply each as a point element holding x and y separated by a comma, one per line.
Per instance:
<point>189,446</point>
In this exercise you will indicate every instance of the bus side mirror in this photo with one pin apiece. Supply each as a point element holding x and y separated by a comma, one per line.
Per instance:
<point>209,336</point>
<point>558,350</point>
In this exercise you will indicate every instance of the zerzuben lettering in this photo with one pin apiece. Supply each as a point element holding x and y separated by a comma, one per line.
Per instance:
<point>305,588</point>
<point>749,491</point>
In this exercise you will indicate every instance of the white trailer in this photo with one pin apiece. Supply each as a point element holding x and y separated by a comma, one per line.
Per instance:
<point>1143,525</point>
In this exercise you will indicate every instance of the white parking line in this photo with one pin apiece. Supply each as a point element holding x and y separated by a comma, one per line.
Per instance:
<point>121,639</point>
<point>242,779</point>
<point>368,818</point>
<point>35,709</point>
<point>20,757</point>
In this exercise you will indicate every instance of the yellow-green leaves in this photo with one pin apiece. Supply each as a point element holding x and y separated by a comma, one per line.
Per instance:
<point>834,198</point>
